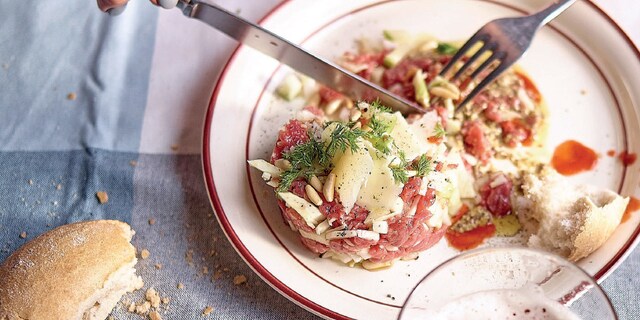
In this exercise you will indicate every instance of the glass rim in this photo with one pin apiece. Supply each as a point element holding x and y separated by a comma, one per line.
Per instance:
<point>486,250</point>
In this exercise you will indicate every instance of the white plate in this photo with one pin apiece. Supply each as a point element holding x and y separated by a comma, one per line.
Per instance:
<point>585,67</point>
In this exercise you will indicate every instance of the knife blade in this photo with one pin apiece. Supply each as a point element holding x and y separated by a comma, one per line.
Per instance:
<point>318,68</point>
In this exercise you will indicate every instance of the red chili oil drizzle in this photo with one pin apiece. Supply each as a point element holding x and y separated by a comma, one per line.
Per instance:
<point>627,158</point>
<point>572,157</point>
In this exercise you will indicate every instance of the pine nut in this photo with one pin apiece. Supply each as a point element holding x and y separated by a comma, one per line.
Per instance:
<point>316,183</point>
<point>283,164</point>
<point>329,186</point>
<point>332,106</point>
<point>444,93</point>
<point>347,103</point>
<point>355,115</point>
<point>313,195</point>
<point>451,87</point>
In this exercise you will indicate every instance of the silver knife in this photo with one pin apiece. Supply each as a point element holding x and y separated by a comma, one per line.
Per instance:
<point>294,56</point>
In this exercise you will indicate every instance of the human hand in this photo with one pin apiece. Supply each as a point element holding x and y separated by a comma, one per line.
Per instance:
<point>116,7</point>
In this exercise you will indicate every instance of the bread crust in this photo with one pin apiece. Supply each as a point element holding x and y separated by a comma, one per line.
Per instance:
<point>569,220</point>
<point>51,276</point>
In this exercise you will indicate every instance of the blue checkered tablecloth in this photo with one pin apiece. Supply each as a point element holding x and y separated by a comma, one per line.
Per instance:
<point>91,103</point>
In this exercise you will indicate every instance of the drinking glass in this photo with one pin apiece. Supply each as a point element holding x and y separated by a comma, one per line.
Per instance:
<point>507,283</point>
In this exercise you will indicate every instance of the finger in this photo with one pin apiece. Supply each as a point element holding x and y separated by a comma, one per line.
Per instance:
<point>167,4</point>
<point>105,5</point>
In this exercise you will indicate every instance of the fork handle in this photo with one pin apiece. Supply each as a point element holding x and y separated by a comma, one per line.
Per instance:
<point>549,13</point>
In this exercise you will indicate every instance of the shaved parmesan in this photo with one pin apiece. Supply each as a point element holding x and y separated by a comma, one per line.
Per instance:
<point>352,171</point>
<point>265,167</point>
<point>310,213</point>
<point>345,234</point>
<point>381,227</point>
<point>407,140</point>
<point>315,237</point>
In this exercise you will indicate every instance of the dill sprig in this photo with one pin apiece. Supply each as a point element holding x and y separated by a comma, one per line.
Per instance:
<point>439,131</point>
<point>302,158</point>
<point>342,137</point>
<point>378,106</point>
<point>399,171</point>
<point>422,166</point>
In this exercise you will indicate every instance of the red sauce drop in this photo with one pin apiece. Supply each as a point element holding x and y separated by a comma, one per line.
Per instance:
<point>530,87</point>
<point>572,157</point>
<point>470,239</point>
<point>634,205</point>
<point>611,153</point>
<point>627,158</point>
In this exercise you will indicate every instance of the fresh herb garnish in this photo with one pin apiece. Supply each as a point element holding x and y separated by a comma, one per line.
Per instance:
<point>446,48</point>
<point>302,158</point>
<point>439,131</point>
<point>400,171</point>
<point>377,106</point>
<point>341,137</point>
<point>422,166</point>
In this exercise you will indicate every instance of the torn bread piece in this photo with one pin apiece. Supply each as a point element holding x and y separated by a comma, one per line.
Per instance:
<point>76,271</point>
<point>571,221</point>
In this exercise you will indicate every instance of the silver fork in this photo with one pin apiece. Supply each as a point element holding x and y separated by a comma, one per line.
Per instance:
<point>506,39</point>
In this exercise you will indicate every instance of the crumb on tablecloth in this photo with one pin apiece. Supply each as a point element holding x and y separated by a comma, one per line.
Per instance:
<point>174,147</point>
<point>152,221</point>
<point>30,181</point>
<point>144,254</point>
<point>153,297</point>
<point>133,163</point>
<point>239,279</point>
<point>71,96</point>
<point>23,234</point>
<point>180,285</point>
<point>207,310</point>
<point>154,315</point>
<point>102,196</point>
<point>166,300</point>
<point>158,266</point>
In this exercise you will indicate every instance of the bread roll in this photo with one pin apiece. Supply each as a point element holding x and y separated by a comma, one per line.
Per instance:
<point>75,271</point>
<point>571,221</point>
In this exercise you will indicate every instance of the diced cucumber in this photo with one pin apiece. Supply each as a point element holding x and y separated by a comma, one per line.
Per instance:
<point>420,87</point>
<point>290,87</point>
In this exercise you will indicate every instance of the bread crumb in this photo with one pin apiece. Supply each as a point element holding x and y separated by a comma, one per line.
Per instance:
<point>71,96</point>
<point>102,196</point>
<point>158,266</point>
<point>144,254</point>
<point>133,163</point>
<point>111,318</point>
<point>23,234</point>
<point>205,270</point>
<point>143,308</point>
<point>165,300</point>
<point>189,257</point>
<point>174,147</point>
<point>207,310</point>
<point>152,221</point>
<point>153,297</point>
<point>180,285</point>
<point>217,275</point>
<point>154,315</point>
<point>30,182</point>
<point>239,279</point>
<point>132,307</point>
